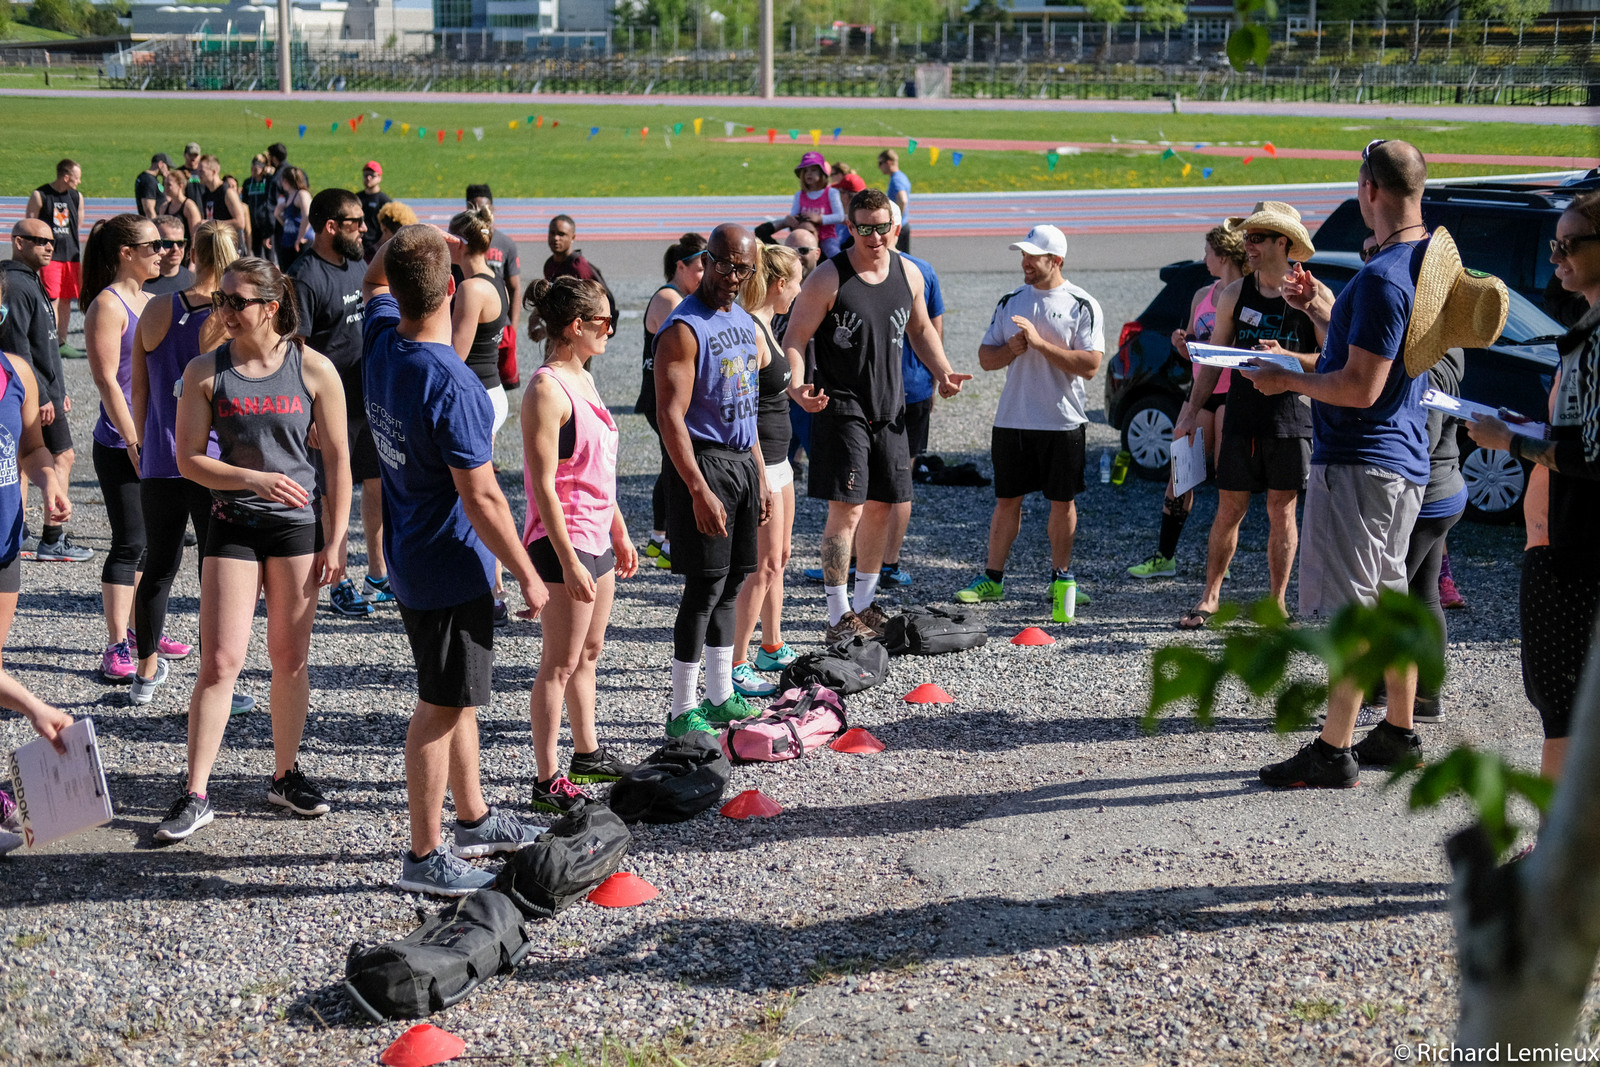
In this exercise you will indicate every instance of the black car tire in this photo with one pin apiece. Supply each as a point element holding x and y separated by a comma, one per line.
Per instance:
<point>1496,483</point>
<point>1147,435</point>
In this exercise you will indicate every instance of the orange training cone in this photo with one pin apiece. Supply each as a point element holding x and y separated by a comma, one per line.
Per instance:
<point>422,1046</point>
<point>623,890</point>
<point>751,804</point>
<point>858,741</point>
<point>1033,636</point>
<point>928,693</point>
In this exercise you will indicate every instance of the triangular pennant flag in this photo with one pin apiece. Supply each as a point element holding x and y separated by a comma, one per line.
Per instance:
<point>933,155</point>
<point>837,130</point>
<point>353,124</point>
<point>772,136</point>
<point>697,123</point>
<point>667,137</point>
<point>794,135</point>
<point>1168,154</point>
<point>749,129</point>
<point>511,125</point>
<point>592,131</point>
<point>537,120</point>
<point>441,137</point>
<point>1187,167</point>
<point>955,159</point>
<point>460,134</point>
<point>555,123</point>
<point>727,129</point>
<point>677,127</point>
<point>1246,160</point>
<point>477,132</point>
<point>1271,151</point>
<point>627,133</point>
<point>1051,157</point>
<point>422,131</point>
<point>1199,145</point>
<point>644,131</point>
<point>269,124</point>
<point>911,146</point>
<point>1205,173</point>
<point>302,131</point>
<point>335,127</point>
<point>816,137</point>
<point>405,127</point>
<point>386,124</point>
<point>360,119</point>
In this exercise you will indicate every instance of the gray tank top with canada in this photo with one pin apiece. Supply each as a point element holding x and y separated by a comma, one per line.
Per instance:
<point>262,425</point>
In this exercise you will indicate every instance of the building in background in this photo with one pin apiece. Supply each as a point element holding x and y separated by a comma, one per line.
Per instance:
<point>475,27</point>
<point>403,24</point>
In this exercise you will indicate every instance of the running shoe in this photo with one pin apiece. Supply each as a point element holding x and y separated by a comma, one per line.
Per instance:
<point>598,766</point>
<point>242,703</point>
<point>1449,595</point>
<point>659,552</point>
<point>894,575</point>
<point>1369,715</point>
<point>344,599</point>
<point>1157,566</point>
<point>441,874</point>
<point>1083,598</point>
<point>983,590</point>
<point>746,682</point>
<point>166,648</point>
<point>69,352</point>
<point>814,574</point>
<point>558,795</point>
<point>875,618</point>
<point>30,547</point>
<point>62,550</point>
<point>690,721</point>
<point>500,831</point>
<point>377,592</point>
<point>9,842</point>
<point>733,709</point>
<point>187,814</point>
<point>775,661</point>
<point>1427,709</point>
<point>189,539</point>
<point>116,663</point>
<point>848,626</point>
<point>295,792</point>
<point>502,615</point>
<point>1387,744</point>
<point>1316,766</point>
<point>9,819</point>
<point>144,689</point>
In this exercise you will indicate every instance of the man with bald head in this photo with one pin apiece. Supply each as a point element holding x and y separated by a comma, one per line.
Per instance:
<point>29,330</point>
<point>707,359</point>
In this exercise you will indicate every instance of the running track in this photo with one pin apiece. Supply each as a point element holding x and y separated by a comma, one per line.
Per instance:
<point>1118,211</point>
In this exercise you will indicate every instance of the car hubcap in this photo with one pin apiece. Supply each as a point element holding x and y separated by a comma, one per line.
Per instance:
<point>1495,481</point>
<point>1150,438</point>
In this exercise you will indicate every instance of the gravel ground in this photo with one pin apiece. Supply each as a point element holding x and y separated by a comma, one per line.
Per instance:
<point>1020,877</point>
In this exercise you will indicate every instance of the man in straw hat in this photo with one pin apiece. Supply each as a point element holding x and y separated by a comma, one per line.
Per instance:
<point>1369,459</point>
<point>1266,440</point>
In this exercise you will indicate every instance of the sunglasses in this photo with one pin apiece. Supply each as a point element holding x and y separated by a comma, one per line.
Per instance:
<point>1368,253</point>
<point>154,245</point>
<point>1564,248</point>
<point>867,229</point>
<point>1260,238</point>
<point>168,245</point>
<point>37,242</point>
<point>234,302</point>
<point>346,220</point>
<point>729,269</point>
<point>603,320</point>
<point>1367,151</point>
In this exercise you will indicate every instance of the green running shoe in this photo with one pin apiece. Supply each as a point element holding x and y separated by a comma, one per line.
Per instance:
<point>982,590</point>
<point>689,721</point>
<point>1083,598</point>
<point>1157,566</point>
<point>733,709</point>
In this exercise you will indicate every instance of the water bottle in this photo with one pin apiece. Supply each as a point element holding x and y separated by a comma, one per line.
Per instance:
<point>1119,467</point>
<point>1105,467</point>
<point>1064,599</point>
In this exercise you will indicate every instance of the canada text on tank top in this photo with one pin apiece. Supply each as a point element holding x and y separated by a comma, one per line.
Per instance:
<point>60,210</point>
<point>262,425</point>
<point>722,409</point>
<point>858,343</point>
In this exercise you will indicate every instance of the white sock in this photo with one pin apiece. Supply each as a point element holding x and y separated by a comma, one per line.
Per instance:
<point>685,687</point>
<point>866,589</point>
<point>838,603</point>
<point>719,674</point>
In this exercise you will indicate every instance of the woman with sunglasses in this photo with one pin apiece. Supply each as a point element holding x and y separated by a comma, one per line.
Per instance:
<point>261,393</point>
<point>1560,575</point>
<point>574,531</point>
<point>683,265</point>
<point>122,254</point>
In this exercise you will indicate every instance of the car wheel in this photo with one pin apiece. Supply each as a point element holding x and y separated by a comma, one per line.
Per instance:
<point>1147,435</point>
<point>1496,482</point>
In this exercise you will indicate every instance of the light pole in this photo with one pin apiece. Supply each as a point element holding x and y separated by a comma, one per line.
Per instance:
<point>285,35</point>
<point>768,88</point>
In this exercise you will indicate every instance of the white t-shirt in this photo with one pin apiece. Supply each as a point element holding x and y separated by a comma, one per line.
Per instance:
<point>1038,395</point>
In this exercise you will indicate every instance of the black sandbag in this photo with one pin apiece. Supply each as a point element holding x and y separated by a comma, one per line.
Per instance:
<point>580,850</point>
<point>676,782</point>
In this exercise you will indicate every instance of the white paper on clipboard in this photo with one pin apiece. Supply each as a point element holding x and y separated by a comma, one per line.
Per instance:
<point>1220,356</point>
<point>1188,462</point>
<point>57,795</point>
<point>1473,411</point>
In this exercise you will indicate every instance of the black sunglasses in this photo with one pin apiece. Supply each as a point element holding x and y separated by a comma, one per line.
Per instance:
<point>37,242</point>
<point>1368,253</point>
<point>342,219</point>
<point>167,245</point>
<point>235,302</point>
<point>867,229</point>
<point>1367,151</point>
<point>1259,238</point>
<point>1565,247</point>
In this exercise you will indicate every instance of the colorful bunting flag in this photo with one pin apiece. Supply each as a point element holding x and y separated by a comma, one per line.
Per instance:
<point>1246,160</point>
<point>677,127</point>
<point>1271,151</point>
<point>422,131</point>
<point>353,124</point>
<point>1187,167</point>
<point>667,137</point>
<point>794,135</point>
<point>269,124</point>
<point>697,123</point>
<point>477,132</point>
<point>335,127</point>
<point>816,137</point>
<point>911,146</point>
<point>1206,172</point>
<point>555,123</point>
<point>1168,154</point>
<point>933,155</point>
<point>837,130</point>
<point>302,131</point>
<point>727,129</point>
<point>538,121</point>
<point>460,134</point>
<point>386,124</point>
<point>405,127</point>
<point>441,137</point>
<point>955,159</point>
<point>592,131</point>
<point>749,129</point>
<point>511,125</point>
<point>1052,157</point>
<point>644,132</point>
<point>772,136</point>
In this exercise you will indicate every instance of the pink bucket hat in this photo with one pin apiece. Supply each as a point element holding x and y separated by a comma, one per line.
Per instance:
<point>814,159</point>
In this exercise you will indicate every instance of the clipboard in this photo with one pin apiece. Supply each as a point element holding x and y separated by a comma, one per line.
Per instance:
<point>1232,358</point>
<point>57,795</point>
<point>1473,411</point>
<point>1188,462</point>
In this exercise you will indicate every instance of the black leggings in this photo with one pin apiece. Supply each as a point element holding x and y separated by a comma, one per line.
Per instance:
<point>170,504</point>
<point>119,485</point>
<point>1560,598</point>
<point>658,493</point>
<point>705,616</point>
<point>1424,558</point>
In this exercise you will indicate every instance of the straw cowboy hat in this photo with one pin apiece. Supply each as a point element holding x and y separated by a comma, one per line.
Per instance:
<point>1280,218</point>
<point>1454,308</point>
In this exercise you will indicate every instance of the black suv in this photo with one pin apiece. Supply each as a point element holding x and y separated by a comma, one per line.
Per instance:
<point>1146,381</point>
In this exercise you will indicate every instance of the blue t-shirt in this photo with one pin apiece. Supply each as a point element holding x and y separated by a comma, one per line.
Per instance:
<point>428,414</point>
<point>1372,313</point>
<point>899,183</point>
<point>918,378</point>
<point>726,374</point>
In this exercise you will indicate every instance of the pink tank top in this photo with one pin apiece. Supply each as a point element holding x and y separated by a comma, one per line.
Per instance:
<point>1205,324</point>
<point>818,202</point>
<point>586,481</point>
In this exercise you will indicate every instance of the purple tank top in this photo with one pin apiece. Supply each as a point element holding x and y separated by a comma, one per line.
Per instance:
<point>158,455</point>
<point>722,410</point>
<point>105,432</point>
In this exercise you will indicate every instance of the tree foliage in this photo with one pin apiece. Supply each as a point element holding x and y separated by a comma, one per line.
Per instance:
<point>1108,11</point>
<point>1164,14</point>
<point>77,17</point>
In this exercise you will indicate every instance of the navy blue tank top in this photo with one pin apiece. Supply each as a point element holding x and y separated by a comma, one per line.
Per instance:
<point>11,396</point>
<point>722,410</point>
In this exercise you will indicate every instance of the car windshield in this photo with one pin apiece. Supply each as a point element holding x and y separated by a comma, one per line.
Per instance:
<point>1526,324</point>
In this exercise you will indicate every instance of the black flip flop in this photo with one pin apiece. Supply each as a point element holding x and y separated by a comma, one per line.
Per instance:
<point>1201,614</point>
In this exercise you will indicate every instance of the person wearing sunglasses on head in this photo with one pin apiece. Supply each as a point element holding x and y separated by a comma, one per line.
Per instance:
<point>175,274</point>
<point>859,307</point>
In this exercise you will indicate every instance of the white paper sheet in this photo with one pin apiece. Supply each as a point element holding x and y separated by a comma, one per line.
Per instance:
<point>57,795</point>
<point>1220,356</point>
<point>1468,409</point>
<point>1188,462</point>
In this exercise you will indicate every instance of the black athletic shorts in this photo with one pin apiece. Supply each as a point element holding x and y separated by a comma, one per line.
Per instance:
<point>11,575</point>
<point>257,544</point>
<point>1257,464</point>
<point>918,415</point>
<point>57,435</point>
<point>732,477</point>
<point>854,461</point>
<point>548,565</point>
<point>454,651</point>
<point>1038,461</point>
<point>363,451</point>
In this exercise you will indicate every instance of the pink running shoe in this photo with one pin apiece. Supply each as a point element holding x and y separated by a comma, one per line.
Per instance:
<point>166,648</point>
<point>1449,595</point>
<point>116,664</point>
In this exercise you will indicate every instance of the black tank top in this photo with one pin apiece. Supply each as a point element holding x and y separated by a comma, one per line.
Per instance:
<point>261,425</point>
<point>646,404</point>
<point>483,358</point>
<point>772,407</point>
<point>60,210</point>
<point>214,203</point>
<point>1251,413</point>
<point>858,343</point>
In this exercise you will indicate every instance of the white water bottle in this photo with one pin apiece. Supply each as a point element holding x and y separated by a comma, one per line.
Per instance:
<point>1105,467</point>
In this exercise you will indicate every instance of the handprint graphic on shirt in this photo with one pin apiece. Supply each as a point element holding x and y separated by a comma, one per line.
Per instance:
<point>846,323</point>
<point>897,320</point>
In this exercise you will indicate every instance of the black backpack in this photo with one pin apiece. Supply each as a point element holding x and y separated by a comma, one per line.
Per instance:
<point>454,951</point>
<point>580,850</point>
<point>675,783</point>
<point>845,667</point>
<point>931,631</point>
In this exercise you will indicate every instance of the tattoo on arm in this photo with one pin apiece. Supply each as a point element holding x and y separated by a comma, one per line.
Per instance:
<point>835,560</point>
<point>1536,450</point>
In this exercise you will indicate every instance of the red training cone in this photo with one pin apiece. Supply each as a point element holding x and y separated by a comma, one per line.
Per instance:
<point>858,741</point>
<point>1033,636</point>
<point>422,1046</point>
<point>928,693</point>
<point>623,890</point>
<point>751,804</point>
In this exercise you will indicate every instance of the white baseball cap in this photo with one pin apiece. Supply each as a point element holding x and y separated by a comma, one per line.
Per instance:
<point>1043,241</point>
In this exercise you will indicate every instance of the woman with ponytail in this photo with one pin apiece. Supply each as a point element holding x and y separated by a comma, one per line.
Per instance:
<point>574,531</point>
<point>481,309</point>
<point>122,254</point>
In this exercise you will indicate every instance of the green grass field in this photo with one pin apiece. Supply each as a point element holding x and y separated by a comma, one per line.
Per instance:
<point>113,140</point>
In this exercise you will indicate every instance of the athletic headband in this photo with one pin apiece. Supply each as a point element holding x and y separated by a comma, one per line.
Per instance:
<point>691,255</point>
